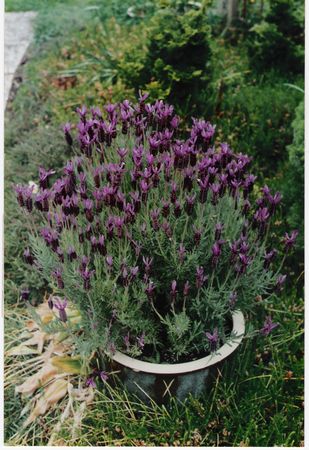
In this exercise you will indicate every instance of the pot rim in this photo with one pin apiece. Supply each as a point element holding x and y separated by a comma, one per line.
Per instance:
<point>192,366</point>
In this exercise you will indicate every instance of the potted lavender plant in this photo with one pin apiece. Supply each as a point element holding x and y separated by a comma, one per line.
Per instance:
<point>158,241</point>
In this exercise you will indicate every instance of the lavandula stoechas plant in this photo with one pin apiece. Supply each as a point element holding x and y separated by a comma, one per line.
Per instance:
<point>155,238</point>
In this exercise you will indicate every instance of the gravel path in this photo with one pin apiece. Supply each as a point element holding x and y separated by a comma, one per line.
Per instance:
<point>18,32</point>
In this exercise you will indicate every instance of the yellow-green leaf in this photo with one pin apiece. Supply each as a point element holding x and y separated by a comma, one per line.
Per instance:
<point>69,364</point>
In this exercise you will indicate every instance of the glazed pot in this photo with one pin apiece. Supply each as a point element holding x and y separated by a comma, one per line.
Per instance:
<point>150,381</point>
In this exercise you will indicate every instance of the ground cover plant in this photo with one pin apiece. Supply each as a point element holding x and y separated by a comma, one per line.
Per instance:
<point>270,412</point>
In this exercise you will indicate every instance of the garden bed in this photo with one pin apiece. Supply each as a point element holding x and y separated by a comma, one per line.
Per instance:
<point>258,401</point>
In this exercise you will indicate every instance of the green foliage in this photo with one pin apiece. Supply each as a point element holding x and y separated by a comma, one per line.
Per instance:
<point>278,41</point>
<point>126,11</point>
<point>22,161</point>
<point>256,125</point>
<point>293,182</point>
<point>177,62</point>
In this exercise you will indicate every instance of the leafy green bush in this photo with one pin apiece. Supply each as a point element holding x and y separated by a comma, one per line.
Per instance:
<point>278,41</point>
<point>177,62</point>
<point>257,118</point>
<point>22,162</point>
<point>155,239</point>
<point>293,182</point>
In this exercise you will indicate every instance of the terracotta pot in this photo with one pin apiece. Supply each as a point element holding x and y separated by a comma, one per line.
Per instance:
<point>160,381</point>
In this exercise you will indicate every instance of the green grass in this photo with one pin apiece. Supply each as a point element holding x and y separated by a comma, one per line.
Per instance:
<point>259,399</point>
<point>253,403</point>
<point>32,5</point>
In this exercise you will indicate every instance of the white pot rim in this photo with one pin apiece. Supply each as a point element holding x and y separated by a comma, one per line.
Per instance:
<point>192,366</point>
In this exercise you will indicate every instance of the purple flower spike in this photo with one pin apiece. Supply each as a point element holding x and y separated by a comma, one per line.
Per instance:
<point>186,289</point>
<point>84,262</point>
<point>66,129</point>
<point>86,275</point>
<point>167,229</point>
<point>154,214</point>
<point>190,200</point>
<point>280,282</point>
<point>141,341</point>
<point>61,306</point>
<point>218,231</point>
<point>44,177</point>
<point>25,294</point>
<point>289,241</point>
<point>248,184</point>
<point>269,325</point>
<point>173,192</point>
<point>60,254</point>
<point>204,185</point>
<point>232,299</point>
<point>165,208</point>
<point>265,191</point>
<point>103,375</point>
<point>101,245</point>
<point>122,152</point>
<point>109,261</point>
<point>57,274</point>
<point>82,113</point>
<point>200,278</point>
<point>177,208</point>
<point>133,272</point>
<point>144,187</point>
<point>173,291</point>
<point>246,207</point>
<point>147,264</point>
<point>126,340</point>
<point>97,171</point>
<point>90,382</point>
<point>213,339</point>
<point>28,257</point>
<point>188,179</point>
<point>215,188</point>
<point>216,252</point>
<point>243,263</point>
<point>150,290</point>
<point>262,215</point>
<point>19,190</point>
<point>181,253</point>
<point>88,205</point>
<point>24,196</point>
<point>71,253</point>
<point>94,243</point>
<point>274,201</point>
<point>197,235</point>
<point>269,257</point>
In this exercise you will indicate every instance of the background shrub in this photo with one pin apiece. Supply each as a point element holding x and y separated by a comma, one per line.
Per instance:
<point>293,184</point>
<point>177,62</point>
<point>278,41</point>
<point>258,126</point>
